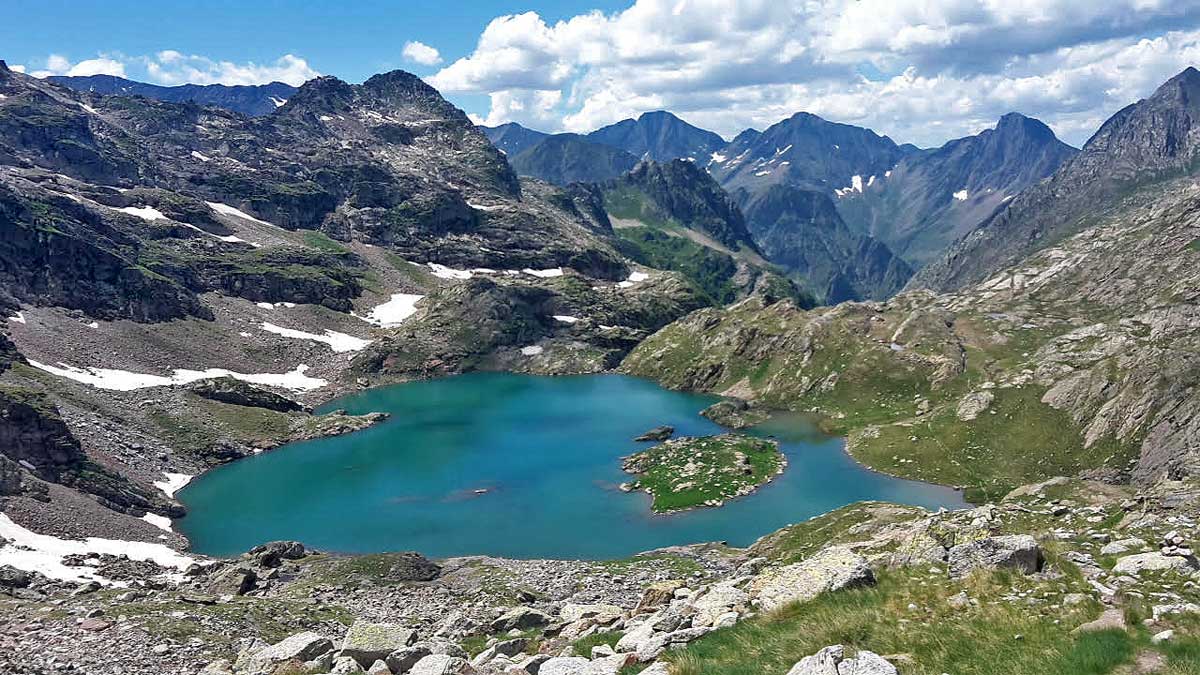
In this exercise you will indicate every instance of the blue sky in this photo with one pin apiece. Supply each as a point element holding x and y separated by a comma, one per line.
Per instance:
<point>921,71</point>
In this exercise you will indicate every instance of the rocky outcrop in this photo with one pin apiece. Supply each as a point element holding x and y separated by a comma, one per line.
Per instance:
<point>833,661</point>
<point>237,392</point>
<point>657,434</point>
<point>830,570</point>
<point>367,643</point>
<point>734,414</point>
<point>33,434</point>
<point>1017,552</point>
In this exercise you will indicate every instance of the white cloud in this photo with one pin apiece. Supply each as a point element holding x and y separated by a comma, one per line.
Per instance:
<point>17,68</point>
<point>171,67</point>
<point>919,70</point>
<point>57,64</point>
<point>419,52</point>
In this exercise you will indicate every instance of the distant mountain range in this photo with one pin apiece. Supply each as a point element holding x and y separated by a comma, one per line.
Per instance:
<point>849,212</point>
<point>253,100</point>
<point>933,197</point>
<point>1152,140</point>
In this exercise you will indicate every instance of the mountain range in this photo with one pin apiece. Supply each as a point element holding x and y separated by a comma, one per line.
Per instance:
<point>253,99</point>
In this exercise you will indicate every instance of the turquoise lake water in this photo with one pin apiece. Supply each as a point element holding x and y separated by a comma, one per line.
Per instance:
<point>546,450</point>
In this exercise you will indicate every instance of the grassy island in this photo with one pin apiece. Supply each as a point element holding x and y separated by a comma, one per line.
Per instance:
<point>689,472</point>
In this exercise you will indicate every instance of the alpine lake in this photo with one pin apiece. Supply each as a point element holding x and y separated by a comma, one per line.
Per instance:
<point>517,466</point>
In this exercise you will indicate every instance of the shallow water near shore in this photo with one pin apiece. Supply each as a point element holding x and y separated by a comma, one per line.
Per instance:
<point>517,466</point>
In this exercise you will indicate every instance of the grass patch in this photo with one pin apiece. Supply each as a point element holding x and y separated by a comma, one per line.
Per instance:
<point>993,453</point>
<point>321,241</point>
<point>583,646</point>
<point>995,637</point>
<point>687,472</point>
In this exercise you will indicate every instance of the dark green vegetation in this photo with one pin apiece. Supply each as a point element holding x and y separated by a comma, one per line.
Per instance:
<point>684,473</point>
<point>711,271</point>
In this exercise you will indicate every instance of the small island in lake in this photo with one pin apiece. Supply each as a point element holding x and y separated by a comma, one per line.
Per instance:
<point>689,472</point>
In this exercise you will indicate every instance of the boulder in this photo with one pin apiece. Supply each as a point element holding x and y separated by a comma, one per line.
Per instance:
<point>601,614</point>
<point>1110,619</point>
<point>520,618</point>
<point>236,580</point>
<point>657,594</point>
<point>657,434</point>
<point>402,660</point>
<point>504,648</point>
<point>11,577</point>
<point>370,642</point>
<point>1016,551</point>
<point>832,661</point>
<point>442,664</point>
<point>564,665</point>
<point>1121,546</point>
<point>1136,564</point>
<point>237,392</point>
<point>379,668</point>
<point>344,665</point>
<point>531,664</point>
<point>831,569</point>
<point>720,600</point>
<point>300,648</point>
<point>971,405</point>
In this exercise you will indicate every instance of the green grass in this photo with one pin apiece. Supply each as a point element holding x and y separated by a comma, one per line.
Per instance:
<point>992,454</point>
<point>717,474</point>
<point>710,271</point>
<point>931,639</point>
<point>583,646</point>
<point>321,241</point>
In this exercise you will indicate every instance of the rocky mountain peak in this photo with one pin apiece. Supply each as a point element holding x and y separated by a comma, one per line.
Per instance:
<point>322,94</point>
<point>1016,124</point>
<point>3,66</point>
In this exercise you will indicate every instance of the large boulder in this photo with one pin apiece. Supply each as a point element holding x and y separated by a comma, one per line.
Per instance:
<point>831,569</point>
<point>296,649</point>
<point>237,392</point>
<point>1152,562</point>
<point>601,614</point>
<point>402,660</point>
<point>367,643</point>
<point>442,664</point>
<point>1015,551</point>
<point>657,434</point>
<point>832,661</point>
<point>717,602</point>
<point>520,618</point>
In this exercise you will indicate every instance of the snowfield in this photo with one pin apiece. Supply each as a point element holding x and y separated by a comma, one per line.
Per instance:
<point>124,380</point>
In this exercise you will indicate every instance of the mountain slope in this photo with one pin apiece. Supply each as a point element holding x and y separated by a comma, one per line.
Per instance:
<point>801,230</point>
<point>806,151</point>
<point>512,138</point>
<point>933,198</point>
<point>253,100</point>
<point>568,158</point>
<point>660,136</point>
<point>1151,140</point>
<point>1079,358</point>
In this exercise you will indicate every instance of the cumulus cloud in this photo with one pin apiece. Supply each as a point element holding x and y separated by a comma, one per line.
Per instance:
<point>171,67</point>
<point>419,52</point>
<point>57,64</point>
<point>919,70</point>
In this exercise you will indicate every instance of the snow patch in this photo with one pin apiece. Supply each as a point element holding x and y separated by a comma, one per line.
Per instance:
<point>532,350</point>
<point>144,212</point>
<point>227,210</point>
<point>565,319</point>
<point>93,324</point>
<point>763,173</point>
<point>717,158</point>
<point>443,272</point>
<point>161,522</point>
<point>961,195</point>
<point>44,554</point>
<point>634,277</point>
<point>544,274</point>
<point>278,101</point>
<point>485,207</point>
<point>326,118</point>
<point>200,156</point>
<point>19,317</point>
<point>340,343</point>
<point>124,380</point>
<point>856,185</point>
<point>393,312</point>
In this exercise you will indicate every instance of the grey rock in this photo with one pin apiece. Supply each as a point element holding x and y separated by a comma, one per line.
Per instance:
<point>657,434</point>
<point>832,661</point>
<point>442,664</point>
<point>520,618</point>
<point>1141,562</point>
<point>402,660</point>
<point>1018,551</point>
<point>831,569</point>
<point>300,647</point>
<point>370,642</point>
